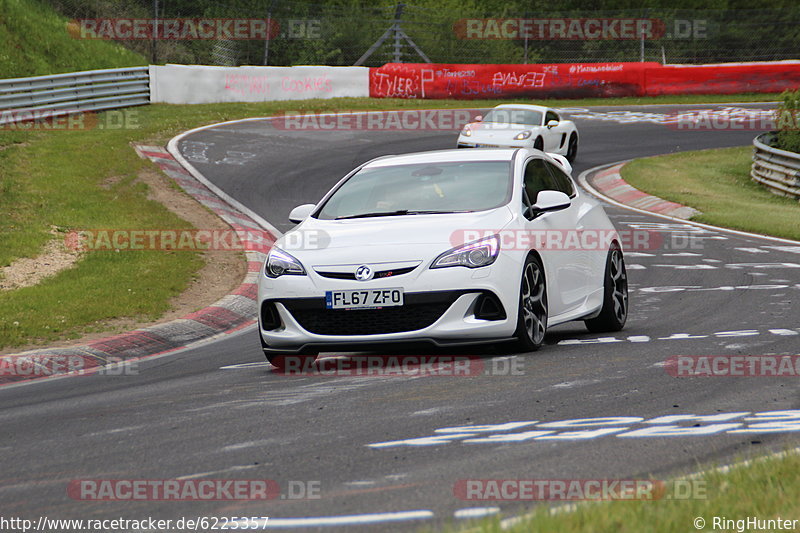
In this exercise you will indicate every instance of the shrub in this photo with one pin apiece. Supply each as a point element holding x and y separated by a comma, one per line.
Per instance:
<point>787,119</point>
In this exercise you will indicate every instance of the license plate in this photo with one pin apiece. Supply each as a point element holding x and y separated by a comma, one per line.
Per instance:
<point>487,146</point>
<point>364,299</point>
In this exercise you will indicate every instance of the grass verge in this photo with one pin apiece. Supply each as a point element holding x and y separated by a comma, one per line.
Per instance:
<point>36,41</point>
<point>81,180</point>
<point>87,179</point>
<point>766,488</point>
<point>717,182</point>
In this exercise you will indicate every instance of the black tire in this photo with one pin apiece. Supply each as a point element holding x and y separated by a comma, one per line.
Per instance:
<point>532,314</point>
<point>538,144</point>
<point>614,312</point>
<point>572,148</point>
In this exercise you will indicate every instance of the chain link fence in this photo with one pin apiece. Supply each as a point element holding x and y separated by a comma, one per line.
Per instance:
<point>447,31</point>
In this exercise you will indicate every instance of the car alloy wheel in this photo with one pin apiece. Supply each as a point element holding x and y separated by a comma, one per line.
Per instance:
<point>614,312</point>
<point>532,321</point>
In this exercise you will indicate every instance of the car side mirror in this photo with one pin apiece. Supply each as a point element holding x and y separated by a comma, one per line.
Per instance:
<point>547,201</point>
<point>478,118</point>
<point>552,124</point>
<point>301,212</point>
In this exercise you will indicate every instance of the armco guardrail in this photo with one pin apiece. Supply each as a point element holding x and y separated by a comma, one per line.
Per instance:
<point>777,169</point>
<point>60,94</point>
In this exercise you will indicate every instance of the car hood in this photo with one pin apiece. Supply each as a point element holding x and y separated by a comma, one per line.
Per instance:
<point>391,238</point>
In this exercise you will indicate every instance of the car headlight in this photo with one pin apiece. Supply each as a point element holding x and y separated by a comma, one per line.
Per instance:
<point>523,135</point>
<point>467,131</point>
<point>279,263</point>
<point>474,254</point>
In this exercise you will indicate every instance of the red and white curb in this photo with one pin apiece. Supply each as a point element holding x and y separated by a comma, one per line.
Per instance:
<point>229,314</point>
<point>586,180</point>
<point>610,183</point>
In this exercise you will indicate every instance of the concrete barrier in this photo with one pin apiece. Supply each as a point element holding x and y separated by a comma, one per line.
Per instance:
<point>578,80</point>
<point>197,84</point>
<point>725,78</point>
<point>469,82</point>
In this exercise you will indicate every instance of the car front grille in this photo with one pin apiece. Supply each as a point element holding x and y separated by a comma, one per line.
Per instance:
<point>419,310</point>
<point>378,275</point>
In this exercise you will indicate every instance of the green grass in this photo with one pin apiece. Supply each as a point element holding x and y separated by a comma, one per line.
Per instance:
<point>766,488</point>
<point>36,42</point>
<point>717,182</point>
<point>54,178</point>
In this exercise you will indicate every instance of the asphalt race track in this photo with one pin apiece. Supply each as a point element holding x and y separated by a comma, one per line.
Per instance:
<point>220,411</point>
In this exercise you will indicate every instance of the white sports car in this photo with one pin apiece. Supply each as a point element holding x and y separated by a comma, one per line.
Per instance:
<point>448,247</point>
<point>522,126</point>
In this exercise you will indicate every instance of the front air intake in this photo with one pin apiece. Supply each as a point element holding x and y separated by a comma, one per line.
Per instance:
<point>270,320</point>
<point>488,307</point>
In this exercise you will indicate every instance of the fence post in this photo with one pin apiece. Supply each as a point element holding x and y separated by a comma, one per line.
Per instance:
<point>269,32</point>
<point>154,54</point>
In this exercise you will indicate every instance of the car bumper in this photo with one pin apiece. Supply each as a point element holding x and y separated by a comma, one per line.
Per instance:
<point>463,144</point>
<point>441,306</point>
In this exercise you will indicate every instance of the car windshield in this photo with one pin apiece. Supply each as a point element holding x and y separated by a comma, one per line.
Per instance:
<point>511,115</point>
<point>451,187</point>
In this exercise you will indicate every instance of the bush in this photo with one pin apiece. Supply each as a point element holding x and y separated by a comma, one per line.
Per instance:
<point>787,121</point>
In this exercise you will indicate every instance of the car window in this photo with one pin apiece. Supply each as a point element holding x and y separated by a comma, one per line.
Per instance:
<point>441,187</point>
<point>510,115</point>
<point>551,115</point>
<point>561,180</point>
<point>537,178</point>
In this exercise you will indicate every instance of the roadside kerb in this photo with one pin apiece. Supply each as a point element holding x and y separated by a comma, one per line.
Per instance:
<point>610,183</point>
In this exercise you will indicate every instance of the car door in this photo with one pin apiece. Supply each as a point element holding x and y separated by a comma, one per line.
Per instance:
<point>580,211</point>
<point>553,236</point>
<point>556,137</point>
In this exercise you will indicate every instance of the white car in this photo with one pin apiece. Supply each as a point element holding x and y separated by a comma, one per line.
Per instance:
<point>448,247</point>
<point>522,126</point>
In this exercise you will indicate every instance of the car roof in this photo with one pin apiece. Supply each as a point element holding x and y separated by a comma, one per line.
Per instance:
<point>529,107</point>
<point>445,156</point>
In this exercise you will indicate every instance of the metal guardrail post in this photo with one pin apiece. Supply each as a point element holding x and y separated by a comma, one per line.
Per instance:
<point>23,99</point>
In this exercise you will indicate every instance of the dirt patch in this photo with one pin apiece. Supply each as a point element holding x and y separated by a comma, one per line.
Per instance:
<point>110,181</point>
<point>13,145</point>
<point>223,271</point>
<point>28,271</point>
